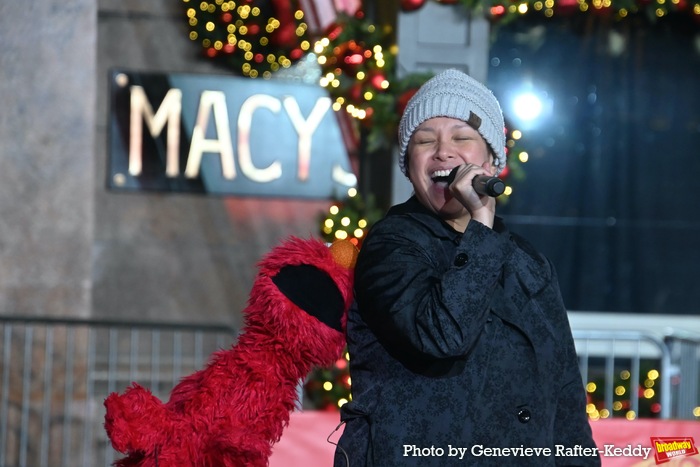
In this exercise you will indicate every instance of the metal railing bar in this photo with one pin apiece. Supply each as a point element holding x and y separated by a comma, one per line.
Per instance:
<point>177,357</point>
<point>46,410</point>
<point>616,334</point>
<point>689,372</point>
<point>610,375</point>
<point>7,350</point>
<point>198,348</point>
<point>87,429</point>
<point>155,359</point>
<point>26,390</point>
<point>680,335</point>
<point>92,322</point>
<point>124,377</point>
<point>112,363</point>
<point>165,360</point>
<point>67,402</point>
<point>133,355</point>
<point>634,378</point>
<point>665,381</point>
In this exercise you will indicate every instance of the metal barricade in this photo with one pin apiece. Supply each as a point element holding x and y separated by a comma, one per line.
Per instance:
<point>638,368</point>
<point>685,382</point>
<point>56,373</point>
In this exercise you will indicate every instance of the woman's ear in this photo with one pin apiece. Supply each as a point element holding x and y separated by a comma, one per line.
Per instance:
<point>490,164</point>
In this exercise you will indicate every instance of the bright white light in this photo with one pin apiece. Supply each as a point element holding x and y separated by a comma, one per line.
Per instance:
<point>527,107</point>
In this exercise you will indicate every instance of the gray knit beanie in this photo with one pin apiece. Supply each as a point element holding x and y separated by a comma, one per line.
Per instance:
<point>454,94</point>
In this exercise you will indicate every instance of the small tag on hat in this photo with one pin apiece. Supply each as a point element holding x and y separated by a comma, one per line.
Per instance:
<point>474,120</point>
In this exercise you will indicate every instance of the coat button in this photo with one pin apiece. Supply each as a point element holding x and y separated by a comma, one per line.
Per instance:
<point>461,259</point>
<point>524,415</point>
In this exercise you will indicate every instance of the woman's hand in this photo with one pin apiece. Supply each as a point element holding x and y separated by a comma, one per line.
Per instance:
<point>481,207</point>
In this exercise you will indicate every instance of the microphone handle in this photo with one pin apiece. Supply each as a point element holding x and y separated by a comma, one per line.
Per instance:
<point>483,184</point>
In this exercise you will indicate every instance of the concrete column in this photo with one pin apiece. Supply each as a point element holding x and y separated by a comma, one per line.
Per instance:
<point>47,87</point>
<point>431,39</point>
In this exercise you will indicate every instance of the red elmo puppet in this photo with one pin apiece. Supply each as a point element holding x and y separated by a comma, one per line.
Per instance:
<point>233,411</point>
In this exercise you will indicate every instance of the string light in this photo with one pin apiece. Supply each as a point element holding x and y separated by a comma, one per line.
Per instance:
<point>506,11</point>
<point>624,391</point>
<point>354,65</point>
<point>255,38</point>
<point>513,169</point>
<point>330,387</point>
<point>350,219</point>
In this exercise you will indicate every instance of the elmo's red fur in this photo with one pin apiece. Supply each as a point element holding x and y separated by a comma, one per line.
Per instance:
<point>231,413</point>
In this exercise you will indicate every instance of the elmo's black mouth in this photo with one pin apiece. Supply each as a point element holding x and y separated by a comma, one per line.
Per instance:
<point>313,291</point>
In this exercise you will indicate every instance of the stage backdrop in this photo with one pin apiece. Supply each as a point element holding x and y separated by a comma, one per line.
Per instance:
<point>305,440</point>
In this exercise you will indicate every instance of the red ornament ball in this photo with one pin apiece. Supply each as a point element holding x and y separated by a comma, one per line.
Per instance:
<point>403,99</point>
<point>333,31</point>
<point>505,172</point>
<point>296,54</point>
<point>411,5</point>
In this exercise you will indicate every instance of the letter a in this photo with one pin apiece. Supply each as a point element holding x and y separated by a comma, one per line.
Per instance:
<point>215,100</point>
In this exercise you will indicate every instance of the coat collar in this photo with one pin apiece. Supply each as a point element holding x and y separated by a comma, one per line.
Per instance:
<point>437,226</point>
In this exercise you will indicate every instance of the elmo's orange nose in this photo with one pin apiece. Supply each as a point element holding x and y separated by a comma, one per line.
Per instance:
<point>344,253</point>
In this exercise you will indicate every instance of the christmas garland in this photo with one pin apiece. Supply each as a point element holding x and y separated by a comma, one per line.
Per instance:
<point>254,38</point>
<point>357,58</point>
<point>506,10</point>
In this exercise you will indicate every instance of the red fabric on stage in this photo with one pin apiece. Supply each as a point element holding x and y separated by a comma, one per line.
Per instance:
<point>304,441</point>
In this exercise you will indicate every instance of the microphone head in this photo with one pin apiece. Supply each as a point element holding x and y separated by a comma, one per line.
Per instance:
<point>495,187</point>
<point>483,184</point>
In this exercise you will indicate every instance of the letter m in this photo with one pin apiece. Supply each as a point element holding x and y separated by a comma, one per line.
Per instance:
<point>168,112</point>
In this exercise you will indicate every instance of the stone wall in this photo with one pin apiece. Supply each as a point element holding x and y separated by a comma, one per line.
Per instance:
<point>70,247</point>
<point>47,84</point>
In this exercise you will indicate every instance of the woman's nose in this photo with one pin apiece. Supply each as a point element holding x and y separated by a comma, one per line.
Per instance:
<point>444,151</point>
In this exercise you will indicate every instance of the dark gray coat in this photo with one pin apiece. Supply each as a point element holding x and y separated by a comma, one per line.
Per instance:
<point>458,341</point>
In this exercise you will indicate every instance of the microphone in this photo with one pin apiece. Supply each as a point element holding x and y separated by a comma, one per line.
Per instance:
<point>483,184</point>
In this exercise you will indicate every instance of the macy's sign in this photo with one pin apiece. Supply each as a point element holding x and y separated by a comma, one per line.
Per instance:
<point>224,135</point>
